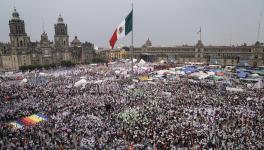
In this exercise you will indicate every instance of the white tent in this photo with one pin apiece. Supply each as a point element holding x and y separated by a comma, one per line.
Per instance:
<point>9,73</point>
<point>167,94</point>
<point>134,60</point>
<point>151,82</point>
<point>180,72</point>
<point>162,72</point>
<point>172,69</point>
<point>83,77</point>
<point>81,82</point>
<point>249,98</point>
<point>141,62</point>
<point>200,75</point>
<point>210,73</point>
<point>234,89</point>
<point>43,74</point>
<point>158,76</point>
<point>69,86</point>
<point>258,85</point>
<point>132,86</point>
<point>162,61</point>
<point>146,68</point>
<point>117,72</point>
<point>98,81</point>
<point>255,75</point>
<point>23,82</point>
<point>135,67</point>
<point>135,80</point>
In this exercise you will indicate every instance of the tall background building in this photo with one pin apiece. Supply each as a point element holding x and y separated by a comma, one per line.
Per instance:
<point>20,51</point>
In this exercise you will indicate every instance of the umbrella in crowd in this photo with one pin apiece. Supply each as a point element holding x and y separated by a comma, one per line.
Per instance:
<point>30,120</point>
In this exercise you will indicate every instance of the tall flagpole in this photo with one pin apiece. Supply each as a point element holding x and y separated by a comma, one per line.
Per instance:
<point>260,17</point>
<point>200,33</point>
<point>132,39</point>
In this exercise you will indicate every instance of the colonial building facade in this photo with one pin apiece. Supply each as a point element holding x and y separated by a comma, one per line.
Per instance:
<point>244,55</point>
<point>21,51</point>
<point>116,54</point>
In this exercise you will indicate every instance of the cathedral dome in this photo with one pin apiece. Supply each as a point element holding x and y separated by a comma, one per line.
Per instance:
<point>76,42</point>
<point>15,14</point>
<point>148,43</point>
<point>199,43</point>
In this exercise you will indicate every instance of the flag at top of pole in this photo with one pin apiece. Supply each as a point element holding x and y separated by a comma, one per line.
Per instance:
<point>123,29</point>
<point>199,30</point>
<point>200,33</point>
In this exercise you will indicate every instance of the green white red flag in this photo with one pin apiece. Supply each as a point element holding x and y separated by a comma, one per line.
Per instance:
<point>123,29</point>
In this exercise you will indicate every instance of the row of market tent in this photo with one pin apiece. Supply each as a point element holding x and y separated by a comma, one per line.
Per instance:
<point>194,72</point>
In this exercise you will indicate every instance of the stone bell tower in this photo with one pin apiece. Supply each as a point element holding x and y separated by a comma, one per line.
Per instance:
<point>61,34</point>
<point>18,36</point>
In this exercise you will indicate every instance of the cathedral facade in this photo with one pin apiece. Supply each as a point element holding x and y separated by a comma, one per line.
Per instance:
<point>20,51</point>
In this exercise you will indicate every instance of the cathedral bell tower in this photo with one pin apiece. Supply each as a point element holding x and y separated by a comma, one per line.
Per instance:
<point>61,34</point>
<point>18,36</point>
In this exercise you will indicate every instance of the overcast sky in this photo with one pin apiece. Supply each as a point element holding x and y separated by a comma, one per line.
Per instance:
<point>165,22</point>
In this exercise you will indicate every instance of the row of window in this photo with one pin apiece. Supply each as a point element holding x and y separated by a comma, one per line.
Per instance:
<point>199,50</point>
<point>172,50</point>
<point>227,50</point>
<point>17,29</point>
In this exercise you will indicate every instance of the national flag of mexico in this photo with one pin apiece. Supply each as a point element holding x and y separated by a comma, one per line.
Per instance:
<point>123,29</point>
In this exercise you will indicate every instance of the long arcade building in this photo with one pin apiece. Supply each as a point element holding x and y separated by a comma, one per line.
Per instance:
<point>244,55</point>
<point>21,51</point>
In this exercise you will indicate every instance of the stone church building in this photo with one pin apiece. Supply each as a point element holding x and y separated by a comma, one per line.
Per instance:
<point>20,51</point>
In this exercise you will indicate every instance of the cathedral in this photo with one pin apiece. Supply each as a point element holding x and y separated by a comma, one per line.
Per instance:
<point>20,51</point>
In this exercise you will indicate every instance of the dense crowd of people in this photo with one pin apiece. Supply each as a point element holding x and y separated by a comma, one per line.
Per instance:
<point>121,113</point>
